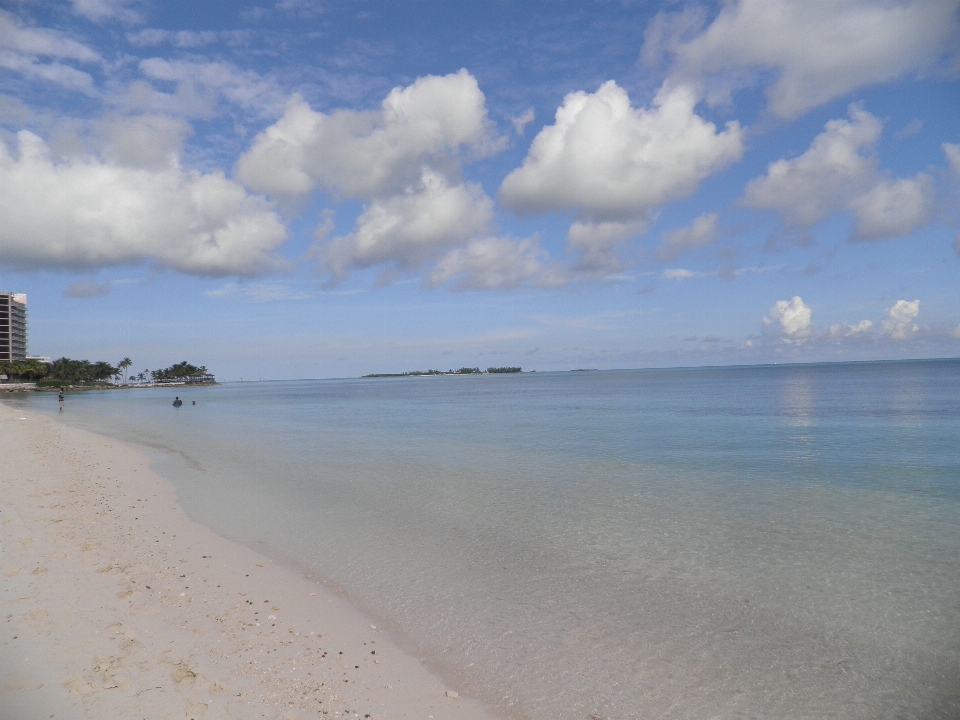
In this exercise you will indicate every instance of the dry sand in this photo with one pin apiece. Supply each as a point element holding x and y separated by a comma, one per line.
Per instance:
<point>116,605</point>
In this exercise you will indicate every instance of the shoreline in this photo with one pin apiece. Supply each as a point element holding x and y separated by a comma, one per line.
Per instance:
<point>119,605</point>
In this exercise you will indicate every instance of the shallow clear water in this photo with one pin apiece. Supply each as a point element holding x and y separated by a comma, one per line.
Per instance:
<point>729,542</point>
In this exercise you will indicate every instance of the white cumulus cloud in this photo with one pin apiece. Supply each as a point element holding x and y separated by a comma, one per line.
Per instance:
<point>366,154</point>
<point>894,208</point>
<point>839,172</point>
<point>790,318</point>
<point>789,323</point>
<point>831,173</point>
<point>815,50</point>
<point>614,165</point>
<point>700,233</point>
<point>898,322</point>
<point>498,264</point>
<point>88,213</point>
<point>406,230</point>
<point>149,141</point>
<point>403,160</point>
<point>610,161</point>
<point>276,163</point>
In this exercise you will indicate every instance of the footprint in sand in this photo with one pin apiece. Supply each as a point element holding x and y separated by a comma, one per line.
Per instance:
<point>105,666</point>
<point>196,709</point>
<point>183,675</point>
<point>115,682</point>
<point>105,663</point>
<point>80,686</point>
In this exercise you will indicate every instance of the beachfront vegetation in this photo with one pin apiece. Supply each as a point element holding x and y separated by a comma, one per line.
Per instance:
<point>80,371</point>
<point>61,370</point>
<point>503,370</point>
<point>181,371</point>
<point>65,371</point>
<point>28,371</point>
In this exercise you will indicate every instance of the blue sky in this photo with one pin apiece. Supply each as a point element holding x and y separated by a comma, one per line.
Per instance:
<point>324,189</point>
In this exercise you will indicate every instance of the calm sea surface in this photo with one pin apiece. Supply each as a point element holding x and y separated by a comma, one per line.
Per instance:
<point>700,543</point>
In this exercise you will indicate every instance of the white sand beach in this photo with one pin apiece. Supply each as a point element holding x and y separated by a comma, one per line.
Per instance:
<point>116,605</point>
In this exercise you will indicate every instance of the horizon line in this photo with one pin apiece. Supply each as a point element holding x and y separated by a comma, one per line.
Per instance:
<point>623,369</point>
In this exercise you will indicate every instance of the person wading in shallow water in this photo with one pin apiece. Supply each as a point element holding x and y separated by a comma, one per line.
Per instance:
<point>177,402</point>
<point>60,398</point>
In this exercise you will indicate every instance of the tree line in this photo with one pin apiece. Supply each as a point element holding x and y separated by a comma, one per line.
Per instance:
<point>79,372</point>
<point>180,371</point>
<point>461,371</point>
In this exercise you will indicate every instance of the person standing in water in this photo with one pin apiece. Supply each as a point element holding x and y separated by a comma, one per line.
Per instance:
<point>60,397</point>
<point>177,402</point>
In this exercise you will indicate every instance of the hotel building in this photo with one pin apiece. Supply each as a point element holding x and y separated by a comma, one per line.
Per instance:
<point>13,327</point>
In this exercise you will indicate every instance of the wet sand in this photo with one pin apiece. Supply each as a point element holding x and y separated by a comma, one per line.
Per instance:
<point>116,605</point>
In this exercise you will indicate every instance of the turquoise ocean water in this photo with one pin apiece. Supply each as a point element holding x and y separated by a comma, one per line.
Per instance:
<point>750,542</point>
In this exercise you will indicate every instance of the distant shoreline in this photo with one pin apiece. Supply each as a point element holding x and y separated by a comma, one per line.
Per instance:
<point>440,373</point>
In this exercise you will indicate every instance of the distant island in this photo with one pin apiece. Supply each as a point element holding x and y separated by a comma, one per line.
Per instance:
<point>461,371</point>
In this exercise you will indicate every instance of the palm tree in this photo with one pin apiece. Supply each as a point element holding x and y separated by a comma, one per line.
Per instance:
<point>102,370</point>
<point>122,366</point>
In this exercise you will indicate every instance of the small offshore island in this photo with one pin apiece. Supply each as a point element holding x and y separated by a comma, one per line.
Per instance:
<point>461,371</point>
